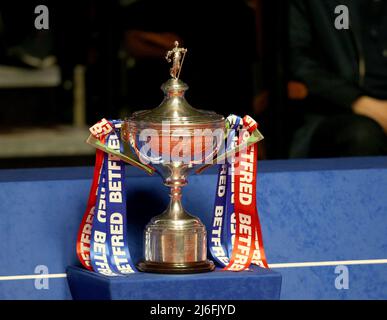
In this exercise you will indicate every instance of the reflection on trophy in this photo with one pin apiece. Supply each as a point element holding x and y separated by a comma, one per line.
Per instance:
<point>175,241</point>
<point>174,140</point>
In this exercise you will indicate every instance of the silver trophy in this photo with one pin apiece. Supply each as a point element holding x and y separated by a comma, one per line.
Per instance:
<point>174,140</point>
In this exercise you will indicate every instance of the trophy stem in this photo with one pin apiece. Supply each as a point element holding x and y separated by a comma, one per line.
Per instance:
<point>175,210</point>
<point>175,241</point>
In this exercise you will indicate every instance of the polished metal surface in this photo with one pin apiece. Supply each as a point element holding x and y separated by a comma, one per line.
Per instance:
<point>176,109</point>
<point>174,241</point>
<point>175,237</point>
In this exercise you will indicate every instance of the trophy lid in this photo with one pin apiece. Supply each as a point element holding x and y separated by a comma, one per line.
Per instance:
<point>174,108</point>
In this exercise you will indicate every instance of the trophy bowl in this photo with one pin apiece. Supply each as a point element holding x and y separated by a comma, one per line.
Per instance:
<point>175,138</point>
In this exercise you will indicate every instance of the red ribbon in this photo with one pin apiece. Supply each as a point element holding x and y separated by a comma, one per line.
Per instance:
<point>248,244</point>
<point>99,131</point>
<point>84,232</point>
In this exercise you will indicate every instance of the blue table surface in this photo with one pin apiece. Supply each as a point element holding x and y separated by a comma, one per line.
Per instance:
<point>310,211</point>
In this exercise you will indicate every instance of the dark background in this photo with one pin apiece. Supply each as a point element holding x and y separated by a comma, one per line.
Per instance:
<point>236,63</point>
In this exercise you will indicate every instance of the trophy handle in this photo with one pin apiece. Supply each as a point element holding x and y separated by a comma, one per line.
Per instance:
<point>255,137</point>
<point>99,145</point>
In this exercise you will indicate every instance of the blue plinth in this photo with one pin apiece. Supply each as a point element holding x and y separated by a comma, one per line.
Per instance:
<point>259,284</point>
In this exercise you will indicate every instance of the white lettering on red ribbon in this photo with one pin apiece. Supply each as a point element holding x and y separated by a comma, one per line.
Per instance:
<point>101,128</point>
<point>84,233</point>
<point>247,246</point>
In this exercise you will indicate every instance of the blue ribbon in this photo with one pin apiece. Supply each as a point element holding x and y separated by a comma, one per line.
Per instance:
<point>109,251</point>
<point>222,230</point>
<point>99,250</point>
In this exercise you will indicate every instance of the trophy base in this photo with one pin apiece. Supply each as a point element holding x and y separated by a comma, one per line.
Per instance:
<point>176,268</point>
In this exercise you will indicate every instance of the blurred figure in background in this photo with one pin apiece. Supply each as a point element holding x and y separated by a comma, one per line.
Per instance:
<point>219,36</point>
<point>344,74</point>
